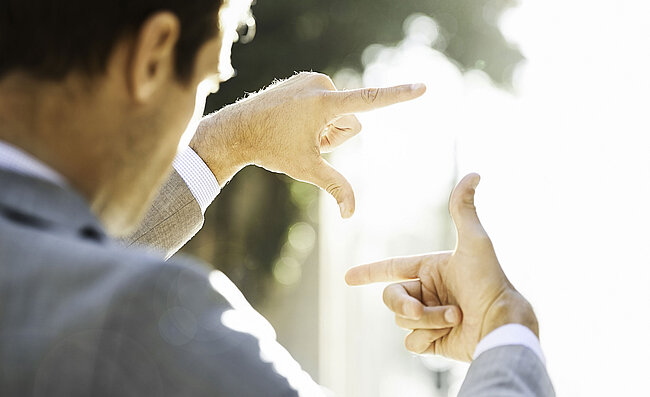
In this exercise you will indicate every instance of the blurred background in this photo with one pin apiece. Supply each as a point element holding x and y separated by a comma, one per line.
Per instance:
<point>546,100</point>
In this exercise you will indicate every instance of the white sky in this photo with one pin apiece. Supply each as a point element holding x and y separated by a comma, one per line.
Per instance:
<point>566,182</point>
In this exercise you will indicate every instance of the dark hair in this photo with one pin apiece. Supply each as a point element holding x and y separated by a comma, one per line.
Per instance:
<point>49,38</point>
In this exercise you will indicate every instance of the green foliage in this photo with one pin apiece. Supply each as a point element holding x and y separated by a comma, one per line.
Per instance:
<point>327,35</point>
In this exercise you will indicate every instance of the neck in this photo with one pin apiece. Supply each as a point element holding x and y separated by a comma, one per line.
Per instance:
<point>41,118</point>
<point>70,127</point>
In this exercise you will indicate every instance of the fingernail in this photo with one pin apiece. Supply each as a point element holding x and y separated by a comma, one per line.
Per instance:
<point>416,87</point>
<point>451,316</point>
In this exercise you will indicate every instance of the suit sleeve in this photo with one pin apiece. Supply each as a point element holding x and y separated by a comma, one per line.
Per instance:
<point>174,217</point>
<point>508,371</point>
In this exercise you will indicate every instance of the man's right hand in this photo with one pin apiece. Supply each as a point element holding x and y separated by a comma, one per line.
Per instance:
<point>470,278</point>
<point>287,126</point>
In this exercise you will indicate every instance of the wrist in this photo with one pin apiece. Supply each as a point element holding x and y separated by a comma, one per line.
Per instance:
<point>510,307</point>
<point>218,144</point>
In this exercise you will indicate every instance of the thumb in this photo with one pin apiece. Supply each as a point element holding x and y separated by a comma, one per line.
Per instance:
<point>334,183</point>
<point>463,211</point>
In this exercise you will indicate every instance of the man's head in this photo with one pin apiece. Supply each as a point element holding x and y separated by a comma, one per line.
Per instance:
<point>102,90</point>
<point>51,39</point>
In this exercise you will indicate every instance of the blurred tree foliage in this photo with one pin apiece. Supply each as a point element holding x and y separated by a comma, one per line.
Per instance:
<point>327,35</point>
<point>247,225</point>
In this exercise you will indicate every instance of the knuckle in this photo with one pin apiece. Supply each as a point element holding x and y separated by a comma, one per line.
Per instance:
<point>484,240</point>
<point>369,95</point>
<point>321,80</point>
<point>392,268</point>
<point>319,100</point>
<point>468,198</point>
<point>388,294</point>
<point>462,205</point>
<point>305,74</point>
<point>414,344</point>
<point>409,344</point>
<point>335,190</point>
<point>326,141</point>
<point>357,125</point>
<point>404,323</point>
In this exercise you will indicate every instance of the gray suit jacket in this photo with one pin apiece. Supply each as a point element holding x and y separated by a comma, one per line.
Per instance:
<point>173,219</point>
<point>84,315</point>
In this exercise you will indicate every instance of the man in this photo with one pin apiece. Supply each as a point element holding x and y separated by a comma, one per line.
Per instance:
<point>93,99</point>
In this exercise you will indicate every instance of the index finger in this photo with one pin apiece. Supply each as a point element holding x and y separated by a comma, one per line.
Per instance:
<point>365,99</point>
<point>393,269</point>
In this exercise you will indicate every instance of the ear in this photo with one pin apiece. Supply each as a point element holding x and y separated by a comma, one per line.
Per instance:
<point>152,58</point>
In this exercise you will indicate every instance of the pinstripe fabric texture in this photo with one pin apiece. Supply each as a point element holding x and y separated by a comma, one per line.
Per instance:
<point>173,219</point>
<point>83,315</point>
<point>507,371</point>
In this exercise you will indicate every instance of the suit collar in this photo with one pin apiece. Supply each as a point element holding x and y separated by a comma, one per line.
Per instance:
<point>47,205</point>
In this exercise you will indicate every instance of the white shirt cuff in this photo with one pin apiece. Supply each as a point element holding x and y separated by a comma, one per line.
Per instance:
<point>198,177</point>
<point>510,334</point>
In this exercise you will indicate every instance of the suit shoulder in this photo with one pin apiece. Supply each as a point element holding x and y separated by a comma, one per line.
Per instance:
<point>69,264</point>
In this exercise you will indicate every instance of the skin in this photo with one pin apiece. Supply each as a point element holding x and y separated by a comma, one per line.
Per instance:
<point>114,136</point>
<point>453,299</point>
<point>286,127</point>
